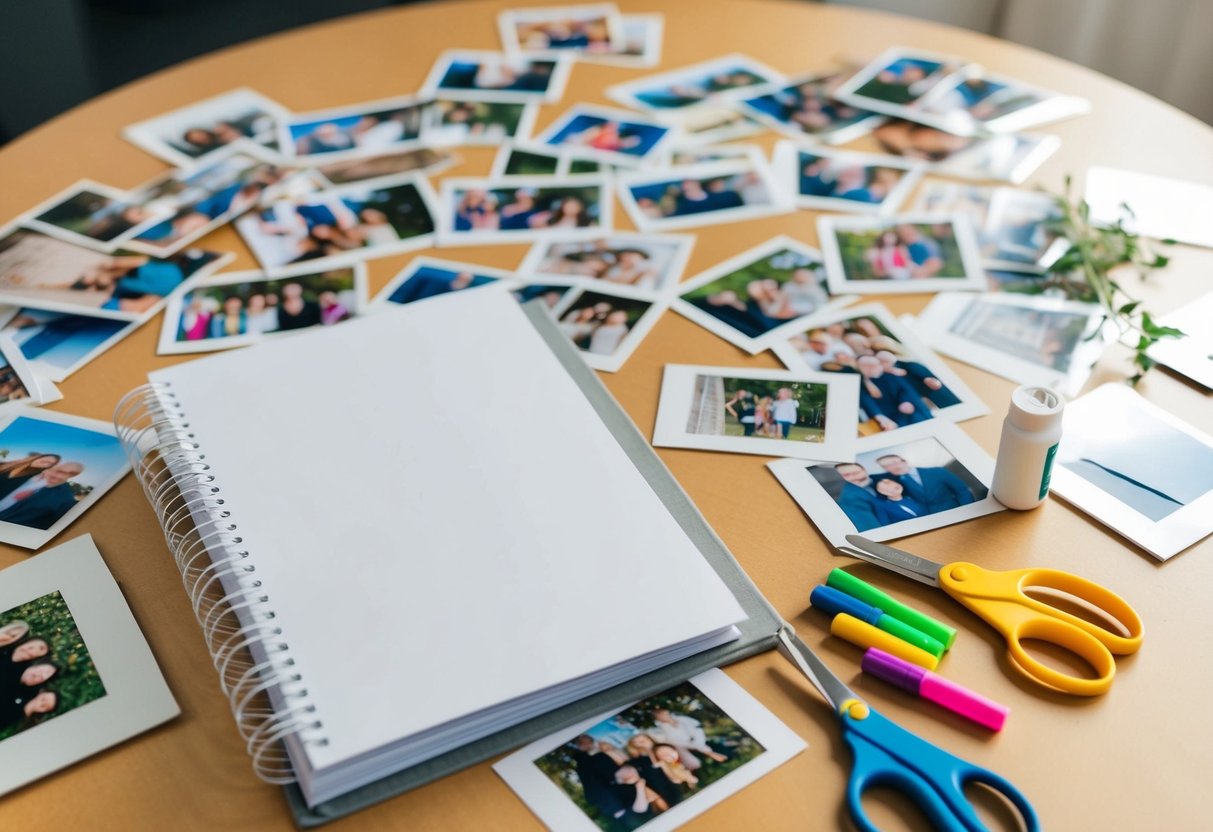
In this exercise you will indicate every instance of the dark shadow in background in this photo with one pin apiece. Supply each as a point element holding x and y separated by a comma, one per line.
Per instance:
<point>55,54</point>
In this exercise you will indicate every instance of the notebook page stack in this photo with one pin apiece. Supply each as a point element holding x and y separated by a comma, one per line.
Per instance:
<point>451,540</point>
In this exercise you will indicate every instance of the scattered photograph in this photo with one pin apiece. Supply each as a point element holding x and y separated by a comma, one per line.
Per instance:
<point>477,122</point>
<point>724,77</point>
<point>20,383</point>
<point>195,201</point>
<point>549,294</point>
<point>358,130</point>
<point>641,47</point>
<point>996,104</point>
<point>426,160</point>
<point>352,222</point>
<point>92,215</point>
<point>241,308</point>
<point>932,475</point>
<point>1192,355</point>
<point>529,159</point>
<point>522,208</point>
<point>591,29</point>
<point>649,262</point>
<point>707,194</point>
<point>186,136</point>
<point>767,289</point>
<point>900,81</point>
<point>427,277</point>
<point>805,108</point>
<point>605,327</point>
<point>57,344</point>
<point>1136,468</point>
<point>902,381</point>
<point>767,412</point>
<point>45,667</point>
<point>681,155</point>
<point>1010,157</point>
<point>900,254</point>
<point>709,124</point>
<point>837,180</point>
<point>1030,340</point>
<point>607,135</point>
<point>56,468</point>
<point>472,75</point>
<point>653,765</point>
<point>76,675</point>
<point>54,274</point>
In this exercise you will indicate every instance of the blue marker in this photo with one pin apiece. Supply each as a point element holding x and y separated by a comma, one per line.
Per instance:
<point>831,601</point>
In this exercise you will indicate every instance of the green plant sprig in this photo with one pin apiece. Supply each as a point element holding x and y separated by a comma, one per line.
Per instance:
<point>1086,267</point>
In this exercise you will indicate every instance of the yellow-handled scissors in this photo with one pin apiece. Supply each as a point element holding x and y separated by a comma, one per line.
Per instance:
<point>999,598</point>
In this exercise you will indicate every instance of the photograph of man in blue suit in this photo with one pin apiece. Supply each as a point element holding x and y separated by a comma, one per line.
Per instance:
<point>42,499</point>
<point>936,489</point>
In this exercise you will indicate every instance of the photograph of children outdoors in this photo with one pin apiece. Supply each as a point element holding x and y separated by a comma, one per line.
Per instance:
<point>45,667</point>
<point>632,767</point>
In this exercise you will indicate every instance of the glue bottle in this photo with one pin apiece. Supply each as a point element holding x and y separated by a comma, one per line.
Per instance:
<point>1030,435</point>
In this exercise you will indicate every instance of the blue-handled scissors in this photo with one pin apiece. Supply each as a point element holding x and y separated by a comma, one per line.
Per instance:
<point>890,756</point>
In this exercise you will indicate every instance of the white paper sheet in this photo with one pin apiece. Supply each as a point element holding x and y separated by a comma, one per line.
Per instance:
<point>1162,208</point>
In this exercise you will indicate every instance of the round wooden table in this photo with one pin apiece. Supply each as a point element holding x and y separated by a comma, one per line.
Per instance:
<point>1137,758</point>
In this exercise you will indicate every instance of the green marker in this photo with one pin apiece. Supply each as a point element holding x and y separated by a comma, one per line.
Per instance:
<point>846,582</point>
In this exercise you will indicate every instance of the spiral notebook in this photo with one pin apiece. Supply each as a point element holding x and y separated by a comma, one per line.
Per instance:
<point>421,538</point>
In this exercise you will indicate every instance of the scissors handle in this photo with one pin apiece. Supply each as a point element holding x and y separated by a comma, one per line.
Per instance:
<point>888,755</point>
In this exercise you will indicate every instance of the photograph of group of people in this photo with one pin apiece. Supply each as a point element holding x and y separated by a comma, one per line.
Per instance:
<point>93,215</point>
<point>700,194</point>
<point>496,76</point>
<point>639,261</point>
<point>45,666</point>
<point>898,483</point>
<point>53,465</point>
<point>368,219</point>
<point>593,29</point>
<point>364,129</point>
<point>184,137</point>
<point>55,274</point>
<point>475,208</point>
<point>904,253</point>
<point>634,766</point>
<point>599,324</point>
<point>749,296</point>
<point>693,85</point>
<point>845,181</point>
<point>246,306</point>
<point>900,384</point>
<point>807,107</point>
<point>450,122</point>
<point>58,343</point>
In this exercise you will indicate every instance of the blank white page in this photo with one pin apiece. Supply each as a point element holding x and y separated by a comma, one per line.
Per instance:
<point>438,516</point>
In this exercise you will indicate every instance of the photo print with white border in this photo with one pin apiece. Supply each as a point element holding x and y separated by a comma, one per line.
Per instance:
<point>901,81</point>
<point>900,254</point>
<point>696,743</point>
<point>482,75</point>
<point>427,160</point>
<point>93,215</point>
<point>605,324</point>
<point>1139,470</point>
<point>997,104</point>
<point>592,29</point>
<point>927,476</point>
<point>756,295</point>
<point>57,344</point>
<point>99,681</point>
<point>697,195</point>
<point>21,384</point>
<point>903,382</point>
<point>652,263</point>
<point>428,277</point>
<point>354,130</point>
<point>525,158</point>
<point>804,107</point>
<point>523,208</point>
<point>709,81</point>
<point>765,412</point>
<point>839,180</point>
<point>1008,157</point>
<point>1043,341</point>
<point>186,136</point>
<point>608,135</point>
<point>236,309</point>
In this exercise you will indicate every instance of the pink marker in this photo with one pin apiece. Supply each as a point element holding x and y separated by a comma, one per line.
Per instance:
<point>934,687</point>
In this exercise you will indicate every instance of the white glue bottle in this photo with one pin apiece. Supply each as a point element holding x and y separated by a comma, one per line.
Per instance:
<point>1030,435</point>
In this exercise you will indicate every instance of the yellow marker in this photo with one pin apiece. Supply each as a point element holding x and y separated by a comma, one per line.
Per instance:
<point>865,635</point>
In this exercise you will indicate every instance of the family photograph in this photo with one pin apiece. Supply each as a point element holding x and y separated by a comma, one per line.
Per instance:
<point>808,107</point>
<point>623,261</point>
<point>261,307</point>
<point>701,195</point>
<point>599,323</point>
<point>901,252</point>
<point>102,217</point>
<point>754,407</point>
<point>526,208</point>
<point>370,131</point>
<point>630,768</point>
<point>846,178</point>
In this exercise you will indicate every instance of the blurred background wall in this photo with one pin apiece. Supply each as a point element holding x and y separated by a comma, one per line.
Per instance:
<point>57,53</point>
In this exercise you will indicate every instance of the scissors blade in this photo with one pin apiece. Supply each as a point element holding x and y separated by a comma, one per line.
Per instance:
<point>799,654</point>
<point>895,560</point>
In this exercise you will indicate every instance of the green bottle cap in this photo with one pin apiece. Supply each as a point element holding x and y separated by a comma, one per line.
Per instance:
<point>844,581</point>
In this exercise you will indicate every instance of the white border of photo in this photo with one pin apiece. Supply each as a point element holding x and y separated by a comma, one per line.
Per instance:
<point>833,523</point>
<point>841,414</point>
<point>740,261</point>
<point>974,277</point>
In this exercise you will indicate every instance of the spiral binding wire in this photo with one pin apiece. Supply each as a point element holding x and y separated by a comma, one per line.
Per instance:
<point>256,672</point>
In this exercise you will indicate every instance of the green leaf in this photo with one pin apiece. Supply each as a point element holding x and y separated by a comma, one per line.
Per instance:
<point>1128,308</point>
<point>1159,262</point>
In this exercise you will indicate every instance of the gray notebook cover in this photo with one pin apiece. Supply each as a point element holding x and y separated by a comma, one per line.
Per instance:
<point>757,632</point>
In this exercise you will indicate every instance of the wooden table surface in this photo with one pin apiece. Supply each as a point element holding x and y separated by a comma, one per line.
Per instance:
<point>1137,758</point>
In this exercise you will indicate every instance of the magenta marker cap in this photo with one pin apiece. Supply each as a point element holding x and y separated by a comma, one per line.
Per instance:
<point>932,686</point>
